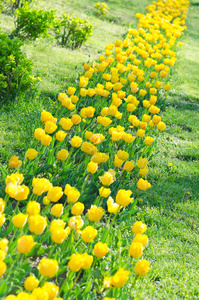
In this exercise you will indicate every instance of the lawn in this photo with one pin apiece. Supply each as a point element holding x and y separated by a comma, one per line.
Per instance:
<point>170,209</point>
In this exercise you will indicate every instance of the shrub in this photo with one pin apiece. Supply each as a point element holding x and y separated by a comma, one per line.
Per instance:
<point>11,5</point>
<point>1,6</point>
<point>101,9</point>
<point>33,23</point>
<point>19,3</point>
<point>72,31</point>
<point>15,68</point>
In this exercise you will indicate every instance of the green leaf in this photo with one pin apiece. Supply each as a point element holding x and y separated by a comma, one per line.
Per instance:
<point>61,271</point>
<point>88,287</point>
<point>5,288</point>
<point>43,168</point>
<point>66,287</point>
<point>41,251</point>
<point>97,274</point>
<point>9,229</point>
<point>3,172</point>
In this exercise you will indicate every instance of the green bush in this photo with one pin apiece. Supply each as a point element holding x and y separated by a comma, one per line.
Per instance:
<point>1,6</point>
<point>33,23</point>
<point>72,31</point>
<point>15,68</point>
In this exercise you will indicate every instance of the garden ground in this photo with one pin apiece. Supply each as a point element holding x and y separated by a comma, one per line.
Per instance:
<point>170,208</point>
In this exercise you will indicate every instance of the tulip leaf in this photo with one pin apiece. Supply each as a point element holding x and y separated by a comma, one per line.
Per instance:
<point>3,172</point>
<point>43,168</point>
<point>9,229</point>
<point>61,271</point>
<point>4,288</point>
<point>41,251</point>
<point>88,287</point>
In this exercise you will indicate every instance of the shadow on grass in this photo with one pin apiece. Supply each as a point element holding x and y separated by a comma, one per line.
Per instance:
<point>183,102</point>
<point>172,189</point>
<point>195,4</point>
<point>48,94</point>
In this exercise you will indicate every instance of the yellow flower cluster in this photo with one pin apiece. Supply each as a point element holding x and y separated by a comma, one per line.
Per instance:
<point>87,164</point>
<point>142,267</point>
<point>101,9</point>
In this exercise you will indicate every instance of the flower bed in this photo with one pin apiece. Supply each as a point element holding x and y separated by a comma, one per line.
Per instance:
<point>66,218</point>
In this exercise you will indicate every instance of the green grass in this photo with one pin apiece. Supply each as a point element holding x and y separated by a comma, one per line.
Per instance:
<point>173,251</point>
<point>170,208</point>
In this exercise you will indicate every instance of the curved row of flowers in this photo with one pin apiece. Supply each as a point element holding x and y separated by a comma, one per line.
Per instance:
<point>85,169</point>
